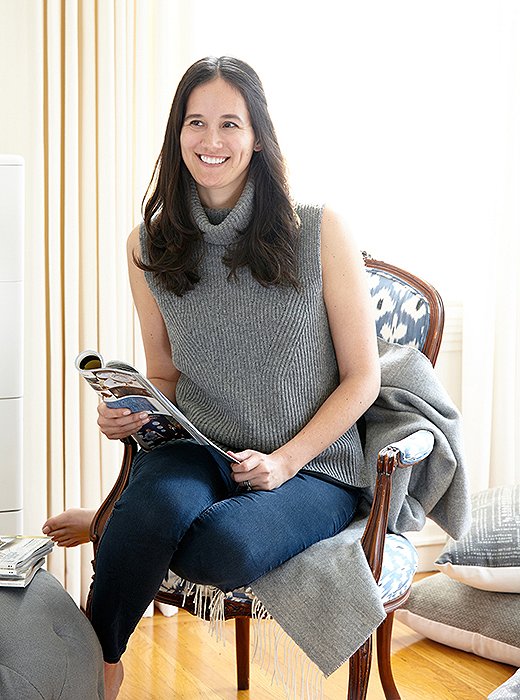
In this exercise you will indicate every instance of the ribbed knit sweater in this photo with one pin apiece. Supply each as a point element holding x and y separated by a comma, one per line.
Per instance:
<point>255,362</point>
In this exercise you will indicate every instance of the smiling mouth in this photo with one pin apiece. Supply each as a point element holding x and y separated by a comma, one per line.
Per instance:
<point>212,160</point>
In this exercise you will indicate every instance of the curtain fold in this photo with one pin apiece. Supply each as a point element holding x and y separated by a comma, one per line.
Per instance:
<point>97,117</point>
<point>491,319</point>
<point>102,134</point>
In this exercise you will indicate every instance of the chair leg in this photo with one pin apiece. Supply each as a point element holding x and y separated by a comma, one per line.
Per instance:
<point>359,671</point>
<point>384,639</point>
<point>242,652</point>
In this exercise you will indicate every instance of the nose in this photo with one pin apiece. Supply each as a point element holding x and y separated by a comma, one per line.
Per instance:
<point>212,138</point>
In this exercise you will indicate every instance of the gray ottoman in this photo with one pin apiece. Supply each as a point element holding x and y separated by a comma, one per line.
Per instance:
<point>48,650</point>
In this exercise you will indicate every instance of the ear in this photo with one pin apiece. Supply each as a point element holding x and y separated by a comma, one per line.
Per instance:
<point>257,147</point>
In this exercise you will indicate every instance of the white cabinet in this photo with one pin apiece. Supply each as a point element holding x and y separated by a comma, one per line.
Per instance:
<point>12,179</point>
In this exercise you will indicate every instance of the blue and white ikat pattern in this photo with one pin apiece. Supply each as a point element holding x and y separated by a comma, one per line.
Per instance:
<point>402,313</point>
<point>399,566</point>
<point>415,447</point>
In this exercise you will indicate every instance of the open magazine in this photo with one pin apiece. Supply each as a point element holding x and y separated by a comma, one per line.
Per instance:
<point>120,385</point>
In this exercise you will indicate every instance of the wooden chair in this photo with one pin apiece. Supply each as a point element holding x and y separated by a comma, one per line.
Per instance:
<point>410,312</point>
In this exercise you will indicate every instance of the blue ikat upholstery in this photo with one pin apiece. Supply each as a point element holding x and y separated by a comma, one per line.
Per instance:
<point>399,566</point>
<point>402,313</point>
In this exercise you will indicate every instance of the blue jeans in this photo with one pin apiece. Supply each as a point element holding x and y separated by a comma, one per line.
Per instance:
<point>182,511</point>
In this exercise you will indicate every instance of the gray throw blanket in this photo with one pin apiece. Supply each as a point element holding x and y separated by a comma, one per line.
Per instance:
<point>326,598</point>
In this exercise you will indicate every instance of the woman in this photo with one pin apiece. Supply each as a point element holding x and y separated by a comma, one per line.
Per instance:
<point>256,321</point>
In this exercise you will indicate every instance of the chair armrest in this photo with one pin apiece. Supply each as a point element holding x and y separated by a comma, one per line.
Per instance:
<point>414,448</point>
<point>402,454</point>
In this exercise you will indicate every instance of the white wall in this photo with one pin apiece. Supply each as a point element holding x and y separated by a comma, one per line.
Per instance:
<point>21,132</point>
<point>431,539</point>
<point>391,111</point>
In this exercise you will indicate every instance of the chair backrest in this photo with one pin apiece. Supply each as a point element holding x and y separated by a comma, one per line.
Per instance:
<point>408,310</point>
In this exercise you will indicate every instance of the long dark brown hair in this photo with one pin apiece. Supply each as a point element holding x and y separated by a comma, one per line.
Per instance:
<point>174,243</point>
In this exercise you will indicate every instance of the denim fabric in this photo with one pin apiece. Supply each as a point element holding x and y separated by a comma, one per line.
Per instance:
<point>182,510</point>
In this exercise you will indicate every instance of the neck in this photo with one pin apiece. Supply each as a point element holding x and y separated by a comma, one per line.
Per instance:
<point>220,223</point>
<point>221,198</point>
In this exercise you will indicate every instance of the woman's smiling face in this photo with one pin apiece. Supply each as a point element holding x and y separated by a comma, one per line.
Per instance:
<point>217,142</point>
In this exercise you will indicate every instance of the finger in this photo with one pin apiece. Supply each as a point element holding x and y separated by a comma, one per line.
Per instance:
<point>245,466</point>
<point>70,542</point>
<point>251,476</point>
<point>133,421</point>
<point>246,484</point>
<point>117,433</point>
<point>241,455</point>
<point>57,533</point>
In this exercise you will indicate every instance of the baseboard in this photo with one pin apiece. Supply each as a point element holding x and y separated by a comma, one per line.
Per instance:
<point>429,543</point>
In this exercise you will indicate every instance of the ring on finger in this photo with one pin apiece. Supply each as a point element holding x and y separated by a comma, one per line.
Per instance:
<point>247,485</point>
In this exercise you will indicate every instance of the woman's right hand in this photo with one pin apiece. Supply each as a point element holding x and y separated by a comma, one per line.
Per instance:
<point>118,423</point>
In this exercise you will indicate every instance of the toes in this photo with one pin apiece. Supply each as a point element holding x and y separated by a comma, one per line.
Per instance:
<point>49,526</point>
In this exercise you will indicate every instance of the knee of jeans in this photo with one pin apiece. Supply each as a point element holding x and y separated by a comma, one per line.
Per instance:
<point>148,509</point>
<point>215,554</point>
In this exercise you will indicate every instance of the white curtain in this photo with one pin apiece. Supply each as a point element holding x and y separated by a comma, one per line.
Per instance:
<point>491,271</point>
<point>85,98</point>
<point>406,112</point>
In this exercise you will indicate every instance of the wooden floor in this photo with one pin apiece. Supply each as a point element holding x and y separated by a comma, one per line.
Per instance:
<point>178,658</point>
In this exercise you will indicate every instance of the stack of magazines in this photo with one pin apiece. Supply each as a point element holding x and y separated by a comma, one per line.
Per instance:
<point>20,559</point>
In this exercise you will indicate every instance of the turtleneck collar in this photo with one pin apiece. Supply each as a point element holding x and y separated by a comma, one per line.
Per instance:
<point>220,226</point>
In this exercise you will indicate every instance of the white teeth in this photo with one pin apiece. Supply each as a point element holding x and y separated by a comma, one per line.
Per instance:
<point>211,160</point>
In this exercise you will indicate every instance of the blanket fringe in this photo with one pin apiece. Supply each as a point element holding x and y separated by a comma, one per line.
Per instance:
<point>207,600</point>
<point>274,652</point>
<point>281,658</point>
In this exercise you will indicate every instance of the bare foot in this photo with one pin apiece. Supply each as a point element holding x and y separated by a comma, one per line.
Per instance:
<point>70,528</point>
<point>113,678</point>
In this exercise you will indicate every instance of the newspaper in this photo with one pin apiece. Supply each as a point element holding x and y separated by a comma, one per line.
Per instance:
<point>21,557</point>
<point>21,580</point>
<point>120,385</point>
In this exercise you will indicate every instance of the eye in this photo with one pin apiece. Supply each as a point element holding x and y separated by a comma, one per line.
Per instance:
<point>230,125</point>
<point>194,122</point>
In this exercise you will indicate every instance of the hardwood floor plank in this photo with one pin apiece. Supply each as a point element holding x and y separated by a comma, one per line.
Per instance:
<point>178,658</point>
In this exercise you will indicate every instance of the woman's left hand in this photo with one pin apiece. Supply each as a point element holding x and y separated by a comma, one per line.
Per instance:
<point>259,471</point>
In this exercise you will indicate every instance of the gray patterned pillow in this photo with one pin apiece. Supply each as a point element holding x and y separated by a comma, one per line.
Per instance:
<point>510,690</point>
<point>480,622</point>
<point>488,557</point>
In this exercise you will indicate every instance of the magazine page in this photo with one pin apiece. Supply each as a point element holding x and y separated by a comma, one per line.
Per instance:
<point>119,385</point>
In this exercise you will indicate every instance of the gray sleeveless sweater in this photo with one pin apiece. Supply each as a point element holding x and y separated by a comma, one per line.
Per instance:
<point>255,363</point>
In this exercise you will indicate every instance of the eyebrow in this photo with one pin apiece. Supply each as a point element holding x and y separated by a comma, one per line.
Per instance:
<point>222,116</point>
